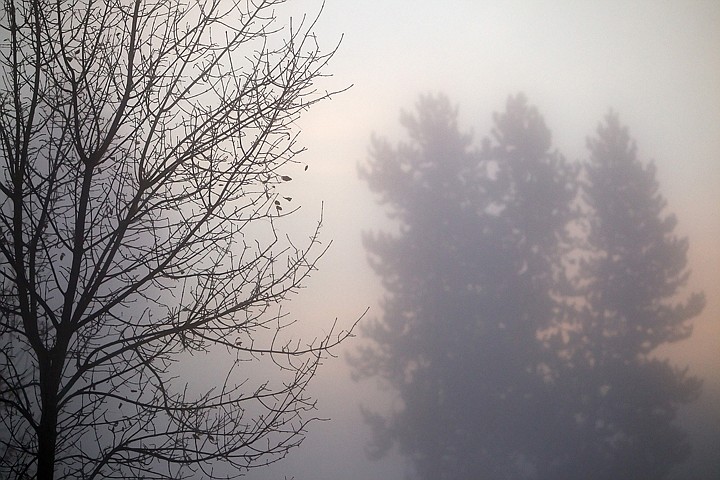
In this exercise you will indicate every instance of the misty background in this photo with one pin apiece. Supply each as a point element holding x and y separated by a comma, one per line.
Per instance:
<point>657,64</point>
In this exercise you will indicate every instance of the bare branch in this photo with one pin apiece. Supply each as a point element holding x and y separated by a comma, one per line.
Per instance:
<point>143,145</point>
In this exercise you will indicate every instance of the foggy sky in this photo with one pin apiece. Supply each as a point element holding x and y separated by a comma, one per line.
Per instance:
<point>655,63</point>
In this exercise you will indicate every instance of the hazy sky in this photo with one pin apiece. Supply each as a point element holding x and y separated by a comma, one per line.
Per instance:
<point>656,63</point>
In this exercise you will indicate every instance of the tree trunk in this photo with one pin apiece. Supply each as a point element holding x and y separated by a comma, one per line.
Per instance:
<point>47,430</point>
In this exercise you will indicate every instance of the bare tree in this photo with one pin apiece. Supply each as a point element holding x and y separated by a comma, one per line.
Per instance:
<point>141,146</point>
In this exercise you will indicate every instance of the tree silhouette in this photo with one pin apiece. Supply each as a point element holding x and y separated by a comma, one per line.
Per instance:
<point>623,399</point>
<point>472,279</point>
<point>141,146</point>
<point>521,318</point>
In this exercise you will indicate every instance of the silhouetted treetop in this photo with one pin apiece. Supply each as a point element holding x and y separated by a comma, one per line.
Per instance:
<point>469,281</point>
<point>524,298</point>
<point>641,264</point>
<point>623,401</point>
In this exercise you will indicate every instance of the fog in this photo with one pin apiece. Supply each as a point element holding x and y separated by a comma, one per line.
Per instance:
<point>656,64</point>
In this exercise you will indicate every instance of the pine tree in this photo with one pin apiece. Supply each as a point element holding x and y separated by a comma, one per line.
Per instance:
<point>625,399</point>
<point>471,278</point>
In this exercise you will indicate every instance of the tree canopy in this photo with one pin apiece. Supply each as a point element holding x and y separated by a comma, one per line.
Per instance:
<point>632,277</point>
<point>489,325</point>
